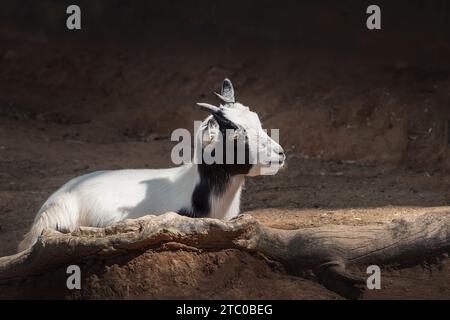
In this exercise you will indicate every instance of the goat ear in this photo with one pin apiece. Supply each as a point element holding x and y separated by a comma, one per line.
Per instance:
<point>211,132</point>
<point>227,92</point>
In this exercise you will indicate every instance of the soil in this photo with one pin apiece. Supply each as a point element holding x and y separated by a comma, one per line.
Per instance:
<point>365,142</point>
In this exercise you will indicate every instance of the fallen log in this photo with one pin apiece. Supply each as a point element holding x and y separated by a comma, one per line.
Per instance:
<point>328,251</point>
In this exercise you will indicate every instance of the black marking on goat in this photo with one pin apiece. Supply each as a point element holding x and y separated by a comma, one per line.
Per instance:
<point>215,178</point>
<point>224,122</point>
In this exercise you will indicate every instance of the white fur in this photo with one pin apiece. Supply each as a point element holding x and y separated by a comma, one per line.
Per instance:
<point>101,198</point>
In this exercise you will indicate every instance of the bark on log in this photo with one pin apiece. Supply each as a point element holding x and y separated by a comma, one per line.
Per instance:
<point>328,250</point>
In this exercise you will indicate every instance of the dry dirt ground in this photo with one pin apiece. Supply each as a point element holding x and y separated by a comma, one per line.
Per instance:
<point>66,112</point>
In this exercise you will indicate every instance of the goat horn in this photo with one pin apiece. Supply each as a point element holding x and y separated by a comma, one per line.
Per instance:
<point>208,107</point>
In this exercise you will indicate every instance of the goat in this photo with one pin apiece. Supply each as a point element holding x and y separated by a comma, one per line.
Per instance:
<point>194,189</point>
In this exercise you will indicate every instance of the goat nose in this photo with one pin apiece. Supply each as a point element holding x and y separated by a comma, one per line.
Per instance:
<point>282,155</point>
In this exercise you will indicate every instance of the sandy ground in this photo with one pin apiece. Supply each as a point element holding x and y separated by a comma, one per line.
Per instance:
<point>65,112</point>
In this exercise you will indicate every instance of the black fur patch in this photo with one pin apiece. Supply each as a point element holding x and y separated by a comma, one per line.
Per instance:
<point>215,178</point>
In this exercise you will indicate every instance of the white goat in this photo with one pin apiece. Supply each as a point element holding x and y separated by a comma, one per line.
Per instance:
<point>195,189</point>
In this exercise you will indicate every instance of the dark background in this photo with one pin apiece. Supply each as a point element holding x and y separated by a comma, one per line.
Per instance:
<point>363,118</point>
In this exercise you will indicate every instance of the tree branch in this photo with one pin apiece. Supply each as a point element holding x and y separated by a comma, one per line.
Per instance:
<point>326,250</point>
